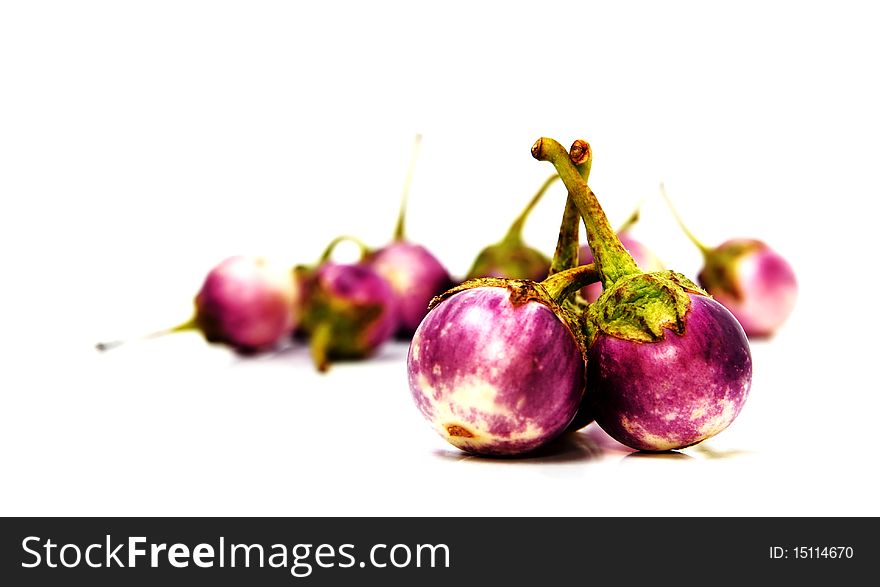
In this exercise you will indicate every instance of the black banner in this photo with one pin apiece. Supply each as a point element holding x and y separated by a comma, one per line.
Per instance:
<point>434,551</point>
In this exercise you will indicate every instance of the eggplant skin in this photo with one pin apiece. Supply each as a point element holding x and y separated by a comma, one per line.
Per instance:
<point>495,378</point>
<point>762,289</point>
<point>247,304</point>
<point>674,392</point>
<point>415,276</point>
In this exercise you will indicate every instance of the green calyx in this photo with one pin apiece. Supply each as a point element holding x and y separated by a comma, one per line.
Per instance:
<point>511,261</point>
<point>719,273</point>
<point>641,307</point>
<point>511,258</point>
<point>337,328</point>
<point>634,305</point>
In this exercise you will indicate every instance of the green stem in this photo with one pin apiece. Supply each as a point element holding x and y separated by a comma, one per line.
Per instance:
<point>567,251</point>
<point>631,220</point>
<point>611,258</point>
<point>318,345</point>
<point>563,284</point>
<point>400,229</point>
<point>568,244</point>
<point>514,234</point>
<point>365,250</point>
<point>112,344</point>
<point>703,248</point>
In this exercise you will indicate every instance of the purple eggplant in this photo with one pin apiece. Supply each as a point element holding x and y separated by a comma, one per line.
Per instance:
<point>349,310</point>
<point>497,365</point>
<point>676,391</point>
<point>511,257</point>
<point>245,303</point>
<point>414,273</point>
<point>668,366</point>
<point>748,277</point>
<point>415,276</point>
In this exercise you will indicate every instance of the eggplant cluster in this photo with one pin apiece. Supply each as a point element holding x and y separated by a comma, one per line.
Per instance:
<point>345,310</point>
<point>504,366</point>
<point>526,347</point>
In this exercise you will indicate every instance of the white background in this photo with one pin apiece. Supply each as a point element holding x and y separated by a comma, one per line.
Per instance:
<point>141,143</point>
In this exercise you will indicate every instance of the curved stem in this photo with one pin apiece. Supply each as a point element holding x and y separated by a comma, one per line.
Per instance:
<point>703,248</point>
<point>514,234</point>
<point>400,229</point>
<point>568,243</point>
<point>112,344</point>
<point>612,259</point>
<point>563,284</point>
<point>365,250</point>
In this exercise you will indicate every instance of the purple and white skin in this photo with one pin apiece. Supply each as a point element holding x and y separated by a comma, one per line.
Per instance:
<point>676,391</point>
<point>497,366</point>
<point>350,311</point>
<point>749,278</point>
<point>415,275</point>
<point>668,366</point>
<point>511,257</point>
<point>752,281</point>
<point>245,303</point>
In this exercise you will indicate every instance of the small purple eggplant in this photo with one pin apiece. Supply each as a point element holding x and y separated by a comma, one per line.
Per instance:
<point>644,257</point>
<point>349,309</point>
<point>497,365</point>
<point>675,391</point>
<point>667,366</point>
<point>415,275</point>
<point>511,257</point>
<point>244,303</point>
<point>749,278</point>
